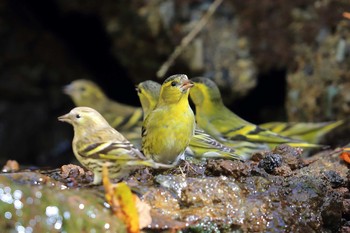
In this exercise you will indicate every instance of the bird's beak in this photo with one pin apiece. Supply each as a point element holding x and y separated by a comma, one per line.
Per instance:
<point>68,89</point>
<point>187,84</point>
<point>64,118</point>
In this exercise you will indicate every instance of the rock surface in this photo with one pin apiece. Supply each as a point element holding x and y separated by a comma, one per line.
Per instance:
<point>293,195</point>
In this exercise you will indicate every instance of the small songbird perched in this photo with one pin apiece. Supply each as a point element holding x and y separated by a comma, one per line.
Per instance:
<point>148,92</point>
<point>217,120</point>
<point>202,145</point>
<point>86,93</point>
<point>169,127</point>
<point>310,132</point>
<point>96,143</point>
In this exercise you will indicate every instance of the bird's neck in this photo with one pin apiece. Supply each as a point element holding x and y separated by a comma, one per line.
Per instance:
<point>209,107</point>
<point>180,101</point>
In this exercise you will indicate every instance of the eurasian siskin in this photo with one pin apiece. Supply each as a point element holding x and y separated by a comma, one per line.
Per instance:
<point>169,127</point>
<point>202,145</point>
<point>307,131</point>
<point>96,143</point>
<point>86,93</point>
<point>217,120</point>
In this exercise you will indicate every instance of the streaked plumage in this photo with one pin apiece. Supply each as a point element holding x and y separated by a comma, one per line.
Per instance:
<point>86,93</point>
<point>306,131</point>
<point>202,145</point>
<point>96,143</point>
<point>217,120</point>
<point>169,127</point>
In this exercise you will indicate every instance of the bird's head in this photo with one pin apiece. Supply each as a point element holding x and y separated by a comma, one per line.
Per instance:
<point>84,118</point>
<point>148,92</point>
<point>175,88</point>
<point>84,92</point>
<point>205,91</point>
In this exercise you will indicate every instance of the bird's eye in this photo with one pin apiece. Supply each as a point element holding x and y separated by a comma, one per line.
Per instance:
<point>82,89</point>
<point>173,83</point>
<point>77,116</point>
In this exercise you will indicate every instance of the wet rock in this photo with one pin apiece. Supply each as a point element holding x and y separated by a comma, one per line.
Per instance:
<point>344,229</point>
<point>283,170</point>
<point>346,208</point>
<point>10,166</point>
<point>232,168</point>
<point>332,211</point>
<point>334,178</point>
<point>291,156</point>
<point>201,199</point>
<point>270,162</point>
<point>231,195</point>
<point>75,175</point>
<point>49,207</point>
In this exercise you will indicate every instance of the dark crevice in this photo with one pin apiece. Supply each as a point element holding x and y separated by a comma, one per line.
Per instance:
<point>266,101</point>
<point>86,40</point>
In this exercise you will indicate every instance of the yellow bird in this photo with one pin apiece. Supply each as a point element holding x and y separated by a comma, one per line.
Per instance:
<point>202,145</point>
<point>86,93</point>
<point>96,143</point>
<point>148,92</point>
<point>169,127</point>
<point>217,120</point>
<point>306,131</point>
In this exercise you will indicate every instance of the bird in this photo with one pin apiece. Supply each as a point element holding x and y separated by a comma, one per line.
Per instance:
<point>169,127</point>
<point>227,127</point>
<point>202,145</point>
<point>86,93</point>
<point>310,132</point>
<point>96,143</point>
<point>148,92</point>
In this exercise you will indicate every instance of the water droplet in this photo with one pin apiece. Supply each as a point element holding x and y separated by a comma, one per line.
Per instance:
<point>29,230</point>
<point>66,215</point>
<point>18,204</point>
<point>91,214</point>
<point>107,205</point>
<point>7,197</point>
<point>17,194</point>
<point>19,213</point>
<point>20,229</point>
<point>51,211</point>
<point>38,194</point>
<point>81,206</point>
<point>7,190</point>
<point>32,222</point>
<point>29,200</point>
<point>58,225</point>
<point>8,215</point>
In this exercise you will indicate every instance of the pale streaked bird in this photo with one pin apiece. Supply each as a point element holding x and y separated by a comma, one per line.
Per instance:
<point>96,143</point>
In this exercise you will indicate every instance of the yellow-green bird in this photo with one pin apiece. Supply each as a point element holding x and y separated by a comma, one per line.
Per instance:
<point>148,92</point>
<point>96,143</point>
<point>86,93</point>
<point>202,145</point>
<point>307,131</point>
<point>169,127</point>
<point>217,120</point>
